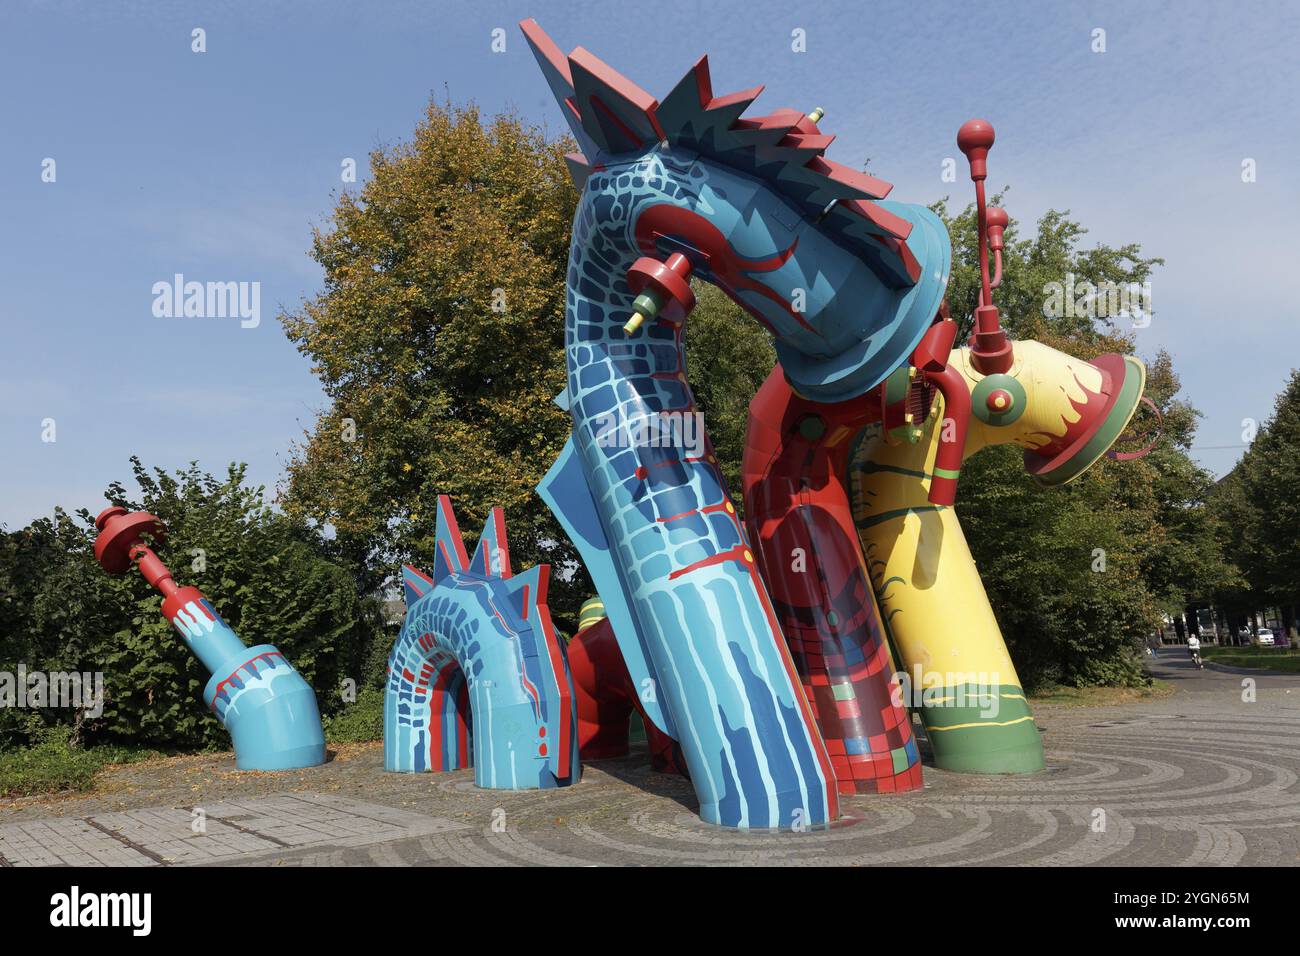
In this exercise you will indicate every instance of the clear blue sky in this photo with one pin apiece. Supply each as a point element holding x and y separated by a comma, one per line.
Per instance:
<point>216,165</point>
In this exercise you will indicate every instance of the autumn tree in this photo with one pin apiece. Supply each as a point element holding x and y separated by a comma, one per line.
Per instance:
<point>439,339</point>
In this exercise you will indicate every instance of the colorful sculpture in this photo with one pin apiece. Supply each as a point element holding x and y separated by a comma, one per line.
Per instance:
<point>759,659</point>
<point>255,692</point>
<point>606,697</point>
<point>765,655</point>
<point>1066,413</point>
<point>795,475</point>
<point>478,669</point>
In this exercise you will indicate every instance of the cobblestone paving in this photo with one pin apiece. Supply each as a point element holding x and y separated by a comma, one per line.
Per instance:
<point>238,830</point>
<point>1201,777</point>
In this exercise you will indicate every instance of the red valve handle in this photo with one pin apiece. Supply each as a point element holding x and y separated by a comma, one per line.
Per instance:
<point>662,290</point>
<point>118,545</point>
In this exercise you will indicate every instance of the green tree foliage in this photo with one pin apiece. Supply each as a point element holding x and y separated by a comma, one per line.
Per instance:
<point>269,576</point>
<point>1031,265</point>
<point>439,338</point>
<point>1036,550</point>
<point>1146,521</point>
<point>1239,522</point>
<point>1259,508</point>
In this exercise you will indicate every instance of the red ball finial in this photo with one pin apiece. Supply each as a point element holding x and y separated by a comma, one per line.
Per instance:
<point>974,139</point>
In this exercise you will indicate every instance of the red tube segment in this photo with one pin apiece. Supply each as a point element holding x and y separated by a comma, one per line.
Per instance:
<point>605,699</point>
<point>952,437</point>
<point>800,523</point>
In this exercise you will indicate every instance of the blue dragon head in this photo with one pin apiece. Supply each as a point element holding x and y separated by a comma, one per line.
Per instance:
<point>846,282</point>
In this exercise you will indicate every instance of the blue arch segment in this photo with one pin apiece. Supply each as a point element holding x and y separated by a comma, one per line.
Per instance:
<point>477,675</point>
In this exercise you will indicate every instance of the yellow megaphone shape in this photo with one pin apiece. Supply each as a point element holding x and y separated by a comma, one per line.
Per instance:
<point>1066,413</point>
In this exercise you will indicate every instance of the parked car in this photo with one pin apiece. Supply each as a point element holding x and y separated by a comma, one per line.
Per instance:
<point>1264,638</point>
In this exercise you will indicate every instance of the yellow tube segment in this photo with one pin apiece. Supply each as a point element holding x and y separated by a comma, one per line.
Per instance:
<point>959,675</point>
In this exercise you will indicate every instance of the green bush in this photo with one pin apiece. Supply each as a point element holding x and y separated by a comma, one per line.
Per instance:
<point>19,726</point>
<point>274,580</point>
<point>358,722</point>
<point>52,764</point>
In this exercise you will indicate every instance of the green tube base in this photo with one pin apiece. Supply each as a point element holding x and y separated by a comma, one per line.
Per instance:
<point>968,734</point>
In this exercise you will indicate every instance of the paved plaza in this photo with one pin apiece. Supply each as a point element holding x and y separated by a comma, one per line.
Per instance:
<point>1198,777</point>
